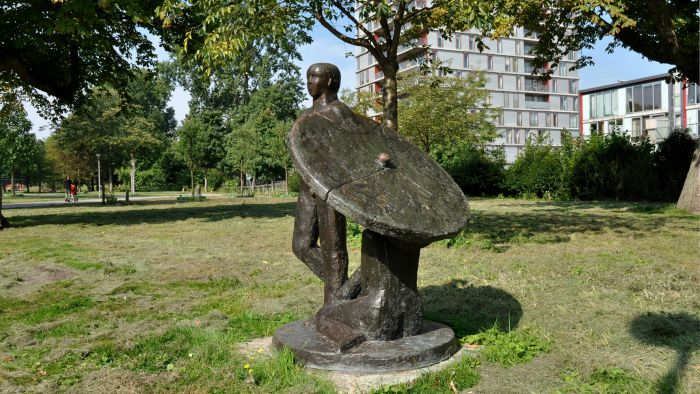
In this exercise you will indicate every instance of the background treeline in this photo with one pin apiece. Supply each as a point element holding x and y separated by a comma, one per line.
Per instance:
<point>602,167</point>
<point>234,133</point>
<point>239,117</point>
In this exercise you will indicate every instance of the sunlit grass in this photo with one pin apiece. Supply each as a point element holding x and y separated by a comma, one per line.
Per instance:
<point>157,296</point>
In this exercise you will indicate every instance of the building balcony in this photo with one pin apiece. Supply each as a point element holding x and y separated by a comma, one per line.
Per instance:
<point>536,104</point>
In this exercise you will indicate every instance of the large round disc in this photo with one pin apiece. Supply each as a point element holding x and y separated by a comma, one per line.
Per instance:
<point>410,198</point>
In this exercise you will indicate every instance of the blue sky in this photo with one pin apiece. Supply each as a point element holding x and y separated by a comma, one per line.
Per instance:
<point>609,68</point>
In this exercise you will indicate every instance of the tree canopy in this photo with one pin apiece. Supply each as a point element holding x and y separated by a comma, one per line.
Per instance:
<point>445,110</point>
<point>19,147</point>
<point>663,31</point>
<point>64,48</point>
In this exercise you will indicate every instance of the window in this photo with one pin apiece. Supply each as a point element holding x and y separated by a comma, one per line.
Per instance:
<point>439,39</point>
<point>529,67</point>
<point>548,119</point>
<point>506,99</point>
<point>693,94</point>
<point>518,83</point>
<point>359,63</point>
<point>554,85</point>
<point>515,64</point>
<point>563,103</point>
<point>575,103</point>
<point>500,81</point>
<point>489,62</point>
<point>657,96</point>
<point>458,41</point>
<point>555,120</point>
<point>471,43</point>
<point>519,119</point>
<point>592,112</point>
<point>507,64</point>
<point>648,97</point>
<point>500,119</point>
<point>636,127</point>
<point>533,119</point>
<point>499,46</point>
<point>573,121</point>
<point>529,48</point>
<point>535,85</point>
<point>643,98</point>
<point>518,47</point>
<point>572,87</point>
<point>465,60</point>
<point>562,69</point>
<point>571,55</point>
<point>637,99</point>
<point>516,100</point>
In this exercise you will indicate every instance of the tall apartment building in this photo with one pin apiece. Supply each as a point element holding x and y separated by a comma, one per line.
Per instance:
<point>649,107</point>
<point>530,106</point>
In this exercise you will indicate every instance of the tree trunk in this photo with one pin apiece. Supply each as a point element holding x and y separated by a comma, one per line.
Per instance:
<point>133,174</point>
<point>192,180</point>
<point>389,96</point>
<point>690,196</point>
<point>111,181</point>
<point>12,180</point>
<point>206,182</point>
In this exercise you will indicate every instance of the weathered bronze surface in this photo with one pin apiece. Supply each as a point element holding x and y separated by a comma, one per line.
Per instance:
<point>407,196</point>
<point>351,166</point>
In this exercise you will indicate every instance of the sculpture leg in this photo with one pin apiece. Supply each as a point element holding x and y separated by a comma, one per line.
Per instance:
<point>334,252</point>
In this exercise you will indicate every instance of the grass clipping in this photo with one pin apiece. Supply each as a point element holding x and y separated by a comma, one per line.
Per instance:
<point>512,347</point>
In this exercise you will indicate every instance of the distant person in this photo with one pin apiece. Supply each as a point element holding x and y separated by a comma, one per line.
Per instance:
<point>66,185</point>
<point>73,192</point>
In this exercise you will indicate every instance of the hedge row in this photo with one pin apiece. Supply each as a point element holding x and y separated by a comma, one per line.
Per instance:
<point>602,167</point>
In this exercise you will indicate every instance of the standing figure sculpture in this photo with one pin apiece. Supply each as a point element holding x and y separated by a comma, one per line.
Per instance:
<point>351,166</point>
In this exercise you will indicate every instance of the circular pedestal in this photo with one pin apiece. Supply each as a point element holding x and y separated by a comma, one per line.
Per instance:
<point>436,342</point>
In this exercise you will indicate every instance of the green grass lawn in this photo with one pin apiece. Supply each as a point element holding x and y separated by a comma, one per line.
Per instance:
<point>566,297</point>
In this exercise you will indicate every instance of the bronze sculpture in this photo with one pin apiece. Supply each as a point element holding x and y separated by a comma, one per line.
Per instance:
<point>352,166</point>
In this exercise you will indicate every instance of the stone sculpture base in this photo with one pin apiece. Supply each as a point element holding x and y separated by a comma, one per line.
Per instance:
<point>436,342</point>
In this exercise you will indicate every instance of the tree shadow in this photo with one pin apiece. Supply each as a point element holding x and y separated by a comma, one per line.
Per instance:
<point>469,309</point>
<point>165,214</point>
<point>554,226</point>
<point>678,331</point>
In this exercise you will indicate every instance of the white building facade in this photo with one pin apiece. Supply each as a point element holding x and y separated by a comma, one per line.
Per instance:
<point>646,107</point>
<point>529,106</point>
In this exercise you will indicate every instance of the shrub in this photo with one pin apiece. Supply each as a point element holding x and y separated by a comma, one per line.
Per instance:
<point>611,167</point>
<point>293,182</point>
<point>671,162</point>
<point>537,171</point>
<point>477,172</point>
<point>151,180</point>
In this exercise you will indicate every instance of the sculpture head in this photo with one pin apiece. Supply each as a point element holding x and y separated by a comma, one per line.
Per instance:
<point>322,78</point>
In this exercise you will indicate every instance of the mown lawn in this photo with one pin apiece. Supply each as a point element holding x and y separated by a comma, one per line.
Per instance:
<point>564,297</point>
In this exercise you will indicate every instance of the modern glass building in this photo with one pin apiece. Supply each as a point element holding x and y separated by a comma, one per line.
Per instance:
<point>648,106</point>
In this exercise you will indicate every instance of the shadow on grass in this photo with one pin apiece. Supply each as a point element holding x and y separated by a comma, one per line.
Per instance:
<point>678,331</point>
<point>629,206</point>
<point>554,226</point>
<point>170,213</point>
<point>469,309</point>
